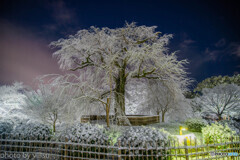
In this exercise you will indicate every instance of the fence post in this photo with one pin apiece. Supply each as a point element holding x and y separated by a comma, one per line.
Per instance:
<point>231,146</point>
<point>66,149</point>
<point>169,145</point>
<point>119,150</point>
<point>186,149</point>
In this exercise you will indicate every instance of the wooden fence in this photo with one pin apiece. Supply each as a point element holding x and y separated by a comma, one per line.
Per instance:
<point>135,120</point>
<point>18,147</point>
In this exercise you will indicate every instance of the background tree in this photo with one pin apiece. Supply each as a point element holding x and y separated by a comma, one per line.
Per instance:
<point>164,97</point>
<point>190,94</point>
<point>131,52</point>
<point>220,100</point>
<point>217,80</point>
<point>161,99</point>
<point>11,100</point>
<point>51,103</point>
<point>212,82</point>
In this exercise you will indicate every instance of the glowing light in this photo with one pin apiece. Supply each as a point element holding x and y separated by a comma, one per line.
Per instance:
<point>181,128</point>
<point>187,136</point>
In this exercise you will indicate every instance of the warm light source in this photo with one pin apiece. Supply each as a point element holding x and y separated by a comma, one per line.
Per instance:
<point>181,128</point>
<point>186,136</point>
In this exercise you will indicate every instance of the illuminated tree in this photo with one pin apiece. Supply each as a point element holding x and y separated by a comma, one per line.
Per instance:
<point>121,55</point>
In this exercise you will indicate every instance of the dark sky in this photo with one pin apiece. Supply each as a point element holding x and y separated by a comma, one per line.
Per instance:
<point>207,33</point>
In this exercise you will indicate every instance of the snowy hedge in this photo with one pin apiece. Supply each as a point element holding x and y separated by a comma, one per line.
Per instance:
<point>235,126</point>
<point>137,136</point>
<point>6,126</point>
<point>195,124</point>
<point>32,129</point>
<point>85,133</point>
<point>217,133</point>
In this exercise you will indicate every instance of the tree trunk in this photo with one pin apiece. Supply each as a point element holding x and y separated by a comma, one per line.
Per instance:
<point>119,106</point>
<point>120,94</point>
<point>163,114</point>
<point>219,117</point>
<point>55,115</point>
<point>54,126</point>
<point>158,116</point>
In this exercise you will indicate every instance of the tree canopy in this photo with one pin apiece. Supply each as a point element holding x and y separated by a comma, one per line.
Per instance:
<point>121,55</point>
<point>217,80</point>
<point>220,100</point>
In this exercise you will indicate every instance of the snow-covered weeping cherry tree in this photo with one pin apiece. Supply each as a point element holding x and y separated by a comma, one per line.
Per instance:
<point>121,55</point>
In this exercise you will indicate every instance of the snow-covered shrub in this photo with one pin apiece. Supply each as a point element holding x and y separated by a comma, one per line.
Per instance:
<point>32,129</point>
<point>231,124</point>
<point>236,124</point>
<point>143,137</point>
<point>140,136</point>
<point>85,133</point>
<point>6,126</point>
<point>216,133</point>
<point>195,124</point>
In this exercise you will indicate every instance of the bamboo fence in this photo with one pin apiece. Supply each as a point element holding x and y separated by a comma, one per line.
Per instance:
<point>18,147</point>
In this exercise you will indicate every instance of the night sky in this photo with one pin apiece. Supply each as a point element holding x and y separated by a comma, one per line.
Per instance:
<point>207,33</point>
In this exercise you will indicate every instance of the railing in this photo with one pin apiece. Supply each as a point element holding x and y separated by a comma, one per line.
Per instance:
<point>135,120</point>
<point>17,147</point>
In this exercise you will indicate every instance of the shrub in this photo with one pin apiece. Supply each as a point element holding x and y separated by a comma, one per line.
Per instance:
<point>216,133</point>
<point>231,124</point>
<point>32,129</point>
<point>137,136</point>
<point>195,124</point>
<point>85,133</point>
<point>6,126</point>
<point>113,133</point>
<point>144,137</point>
